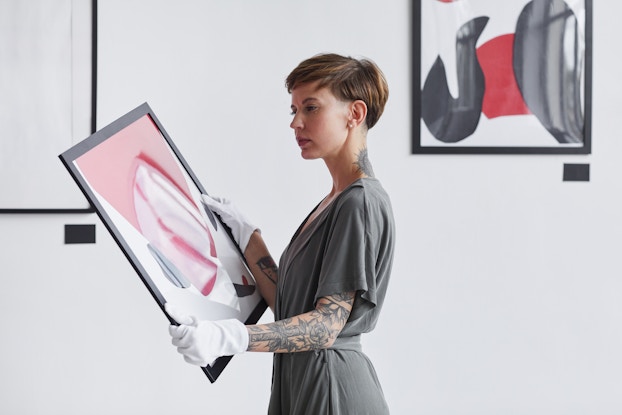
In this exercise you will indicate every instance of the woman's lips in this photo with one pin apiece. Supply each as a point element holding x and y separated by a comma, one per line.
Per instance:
<point>302,141</point>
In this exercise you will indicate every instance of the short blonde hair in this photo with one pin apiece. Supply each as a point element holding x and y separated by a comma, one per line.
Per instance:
<point>347,78</point>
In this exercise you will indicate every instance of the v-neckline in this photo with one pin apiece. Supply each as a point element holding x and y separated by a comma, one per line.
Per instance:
<point>314,215</point>
<point>310,220</point>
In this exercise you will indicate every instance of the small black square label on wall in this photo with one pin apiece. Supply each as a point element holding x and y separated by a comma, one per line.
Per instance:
<point>79,234</point>
<point>576,172</point>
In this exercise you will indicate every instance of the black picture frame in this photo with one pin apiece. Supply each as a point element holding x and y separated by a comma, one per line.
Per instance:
<point>449,104</point>
<point>149,199</point>
<point>81,70</point>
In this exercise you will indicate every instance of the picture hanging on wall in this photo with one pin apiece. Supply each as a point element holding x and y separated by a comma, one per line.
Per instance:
<point>47,101</point>
<point>150,201</point>
<point>494,77</point>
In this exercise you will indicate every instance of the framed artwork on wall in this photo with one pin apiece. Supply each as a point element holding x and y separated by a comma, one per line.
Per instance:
<point>150,201</point>
<point>48,83</point>
<point>492,77</point>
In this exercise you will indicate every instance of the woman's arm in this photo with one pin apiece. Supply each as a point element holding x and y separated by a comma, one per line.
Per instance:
<point>314,330</point>
<point>201,342</point>
<point>263,267</point>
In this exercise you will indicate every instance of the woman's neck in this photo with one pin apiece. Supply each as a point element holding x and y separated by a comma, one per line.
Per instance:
<point>345,172</point>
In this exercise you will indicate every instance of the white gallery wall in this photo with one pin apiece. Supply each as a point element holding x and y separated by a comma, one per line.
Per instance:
<point>506,295</point>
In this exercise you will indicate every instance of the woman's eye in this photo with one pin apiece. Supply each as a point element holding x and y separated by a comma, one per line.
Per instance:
<point>308,108</point>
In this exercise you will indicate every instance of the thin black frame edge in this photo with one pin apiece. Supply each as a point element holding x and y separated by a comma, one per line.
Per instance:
<point>589,47</point>
<point>90,142</point>
<point>91,208</point>
<point>211,372</point>
<point>415,70</point>
<point>94,59</point>
<point>417,149</point>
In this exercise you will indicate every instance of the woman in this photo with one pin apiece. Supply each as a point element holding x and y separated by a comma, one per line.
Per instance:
<point>332,278</point>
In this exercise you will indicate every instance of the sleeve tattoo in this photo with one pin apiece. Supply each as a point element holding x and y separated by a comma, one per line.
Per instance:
<point>314,330</point>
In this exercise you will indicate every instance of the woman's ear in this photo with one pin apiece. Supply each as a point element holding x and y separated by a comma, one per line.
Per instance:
<point>358,113</point>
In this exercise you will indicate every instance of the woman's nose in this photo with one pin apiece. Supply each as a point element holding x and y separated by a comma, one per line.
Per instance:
<point>296,122</point>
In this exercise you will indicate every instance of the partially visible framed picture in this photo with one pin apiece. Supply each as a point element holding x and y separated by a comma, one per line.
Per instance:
<point>47,100</point>
<point>495,77</point>
<point>150,200</point>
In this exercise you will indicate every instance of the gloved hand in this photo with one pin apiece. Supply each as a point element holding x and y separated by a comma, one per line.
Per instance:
<point>201,342</point>
<point>241,228</point>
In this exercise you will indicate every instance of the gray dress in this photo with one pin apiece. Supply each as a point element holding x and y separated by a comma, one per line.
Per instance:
<point>348,247</point>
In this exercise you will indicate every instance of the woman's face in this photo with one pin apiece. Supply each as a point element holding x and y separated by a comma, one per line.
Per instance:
<point>320,121</point>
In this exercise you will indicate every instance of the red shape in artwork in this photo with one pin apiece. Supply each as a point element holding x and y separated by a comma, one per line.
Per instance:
<point>502,95</point>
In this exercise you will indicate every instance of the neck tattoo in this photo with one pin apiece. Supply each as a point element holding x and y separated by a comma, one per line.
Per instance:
<point>363,165</point>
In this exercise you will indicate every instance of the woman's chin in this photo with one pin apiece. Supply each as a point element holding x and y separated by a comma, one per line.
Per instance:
<point>307,155</point>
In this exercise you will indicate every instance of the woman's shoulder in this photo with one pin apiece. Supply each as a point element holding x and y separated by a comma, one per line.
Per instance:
<point>367,187</point>
<point>364,192</point>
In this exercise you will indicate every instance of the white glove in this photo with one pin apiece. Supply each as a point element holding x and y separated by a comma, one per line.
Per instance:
<point>241,228</point>
<point>201,342</point>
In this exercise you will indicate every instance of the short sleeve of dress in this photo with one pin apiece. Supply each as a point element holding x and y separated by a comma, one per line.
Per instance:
<point>359,250</point>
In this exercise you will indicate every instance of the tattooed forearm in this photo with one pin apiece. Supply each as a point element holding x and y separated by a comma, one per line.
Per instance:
<point>268,268</point>
<point>289,335</point>
<point>363,164</point>
<point>314,330</point>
